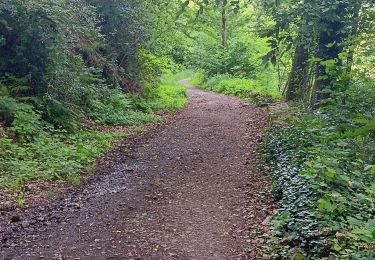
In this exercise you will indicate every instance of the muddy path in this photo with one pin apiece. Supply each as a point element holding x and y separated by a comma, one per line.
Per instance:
<point>188,190</point>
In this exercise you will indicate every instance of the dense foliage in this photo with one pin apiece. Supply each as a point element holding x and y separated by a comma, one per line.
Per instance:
<point>258,90</point>
<point>230,56</point>
<point>324,177</point>
<point>323,161</point>
<point>68,65</point>
<point>318,54</point>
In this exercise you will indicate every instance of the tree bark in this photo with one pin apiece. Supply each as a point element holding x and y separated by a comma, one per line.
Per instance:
<point>224,29</point>
<point>297,83</point>
<point>329,48</point>
<point>354,32</point>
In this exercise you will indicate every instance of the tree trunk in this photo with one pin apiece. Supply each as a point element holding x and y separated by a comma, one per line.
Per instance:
<point>224,29</point>
<point>296,86</point>
<point>329,48</point>
<point>354,32</point>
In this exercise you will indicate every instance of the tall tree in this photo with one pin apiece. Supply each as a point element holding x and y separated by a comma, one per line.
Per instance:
<point>354,31</point>
<point>297,85</point>
<point>224,29</point>
<point>332,35</point>
<point>323,29</point>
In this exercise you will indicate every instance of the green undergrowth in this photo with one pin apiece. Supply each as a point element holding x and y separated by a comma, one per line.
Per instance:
<point>50,156</point>
<point>261,89</point>
<point>41,140</point>
<point>170,96</point>
<point>324,180</point>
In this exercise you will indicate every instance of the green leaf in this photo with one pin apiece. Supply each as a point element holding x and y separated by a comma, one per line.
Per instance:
<point>299,256</point>
<point>325,205</point>
<point>354,222</point>
<point>330,174</point>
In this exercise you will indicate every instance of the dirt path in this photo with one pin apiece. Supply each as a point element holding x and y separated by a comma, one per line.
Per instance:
<point>190,190</point>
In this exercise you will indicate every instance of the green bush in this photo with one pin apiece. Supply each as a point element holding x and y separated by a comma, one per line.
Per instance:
<point>116,108</point>
<point>169,98</point>
<point>198,79</point>
<point>32,149</point>
<point>323,176</point>
<point>242,58</point>
<point>26,123</point>
<point>8,108</point>
<point>58,114</point>
<point>50,157</point>
<point>244,88</point>
<point>128,118</point>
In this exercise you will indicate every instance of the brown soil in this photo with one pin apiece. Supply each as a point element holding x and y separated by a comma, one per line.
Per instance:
<point>190,189</point>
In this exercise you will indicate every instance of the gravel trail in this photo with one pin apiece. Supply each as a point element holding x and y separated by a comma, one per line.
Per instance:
<point>189,190</point>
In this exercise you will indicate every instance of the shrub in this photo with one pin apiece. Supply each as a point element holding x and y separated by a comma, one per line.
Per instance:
<point>242,57</point>
<point>8,108</point>
<point>58,114</point>
<point>57,157</point>
<point>244,88</point>
<point>323,176</point>
<point>169,98</point>
<point>26,124</point>
<point>198,79</point>
<point>116,108</point>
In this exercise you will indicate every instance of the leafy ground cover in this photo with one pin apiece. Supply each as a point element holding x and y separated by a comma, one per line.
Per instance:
<point>50,156</point>
<point>261,89</point>
<point>170,96</point>
<point>323,176</point>
<point>33,149</point>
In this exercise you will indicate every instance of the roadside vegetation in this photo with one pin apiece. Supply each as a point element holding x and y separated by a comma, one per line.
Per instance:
<point>323,177</point>
<point>317,56</point>
<point>322,156</point>
<point>67,67</point>
<point>35,149</point>
<point>252,90</point>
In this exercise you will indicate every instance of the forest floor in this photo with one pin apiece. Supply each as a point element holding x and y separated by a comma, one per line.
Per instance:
<point>189,189</point>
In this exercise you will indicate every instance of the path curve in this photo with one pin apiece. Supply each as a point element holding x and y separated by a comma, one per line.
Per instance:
<point>190,190</point>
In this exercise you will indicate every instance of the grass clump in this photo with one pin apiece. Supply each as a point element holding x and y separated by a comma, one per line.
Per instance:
<point>252,89</point>
<point>169,98</point>
<point>50,156</point>
<point>33,149</point>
